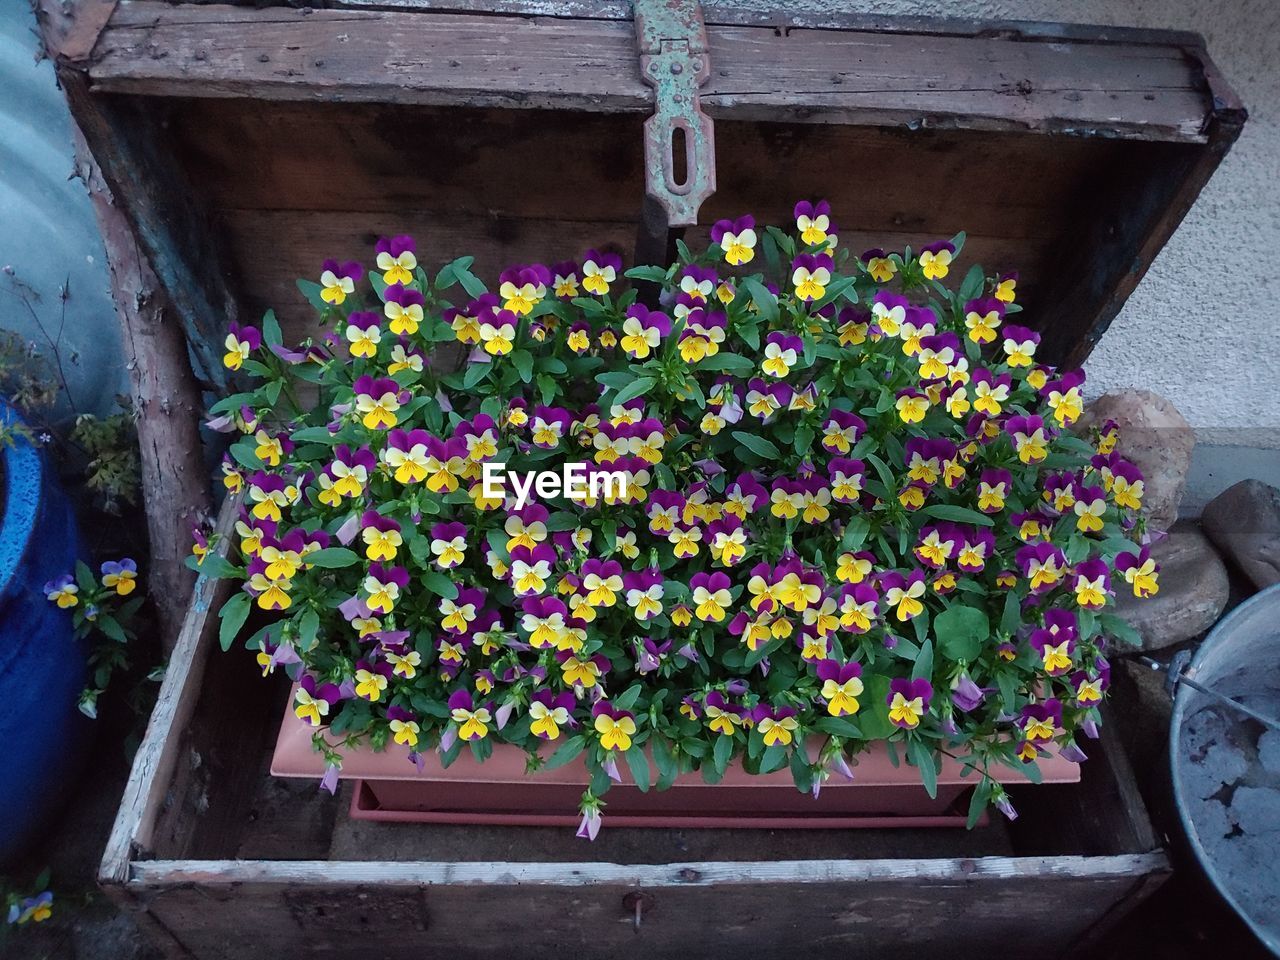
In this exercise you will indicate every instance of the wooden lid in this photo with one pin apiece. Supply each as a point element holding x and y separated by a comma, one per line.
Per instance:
<point>1068,154</point>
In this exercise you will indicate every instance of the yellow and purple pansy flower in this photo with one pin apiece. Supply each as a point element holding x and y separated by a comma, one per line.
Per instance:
<point>736,239</point>
<point>908,701</point>
<point>397,259</point>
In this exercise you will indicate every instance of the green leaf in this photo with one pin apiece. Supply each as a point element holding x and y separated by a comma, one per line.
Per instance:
<point>497,540</point>
<point>627,699</point>
<point>217,567</point>
<point>873,718</point>
<point>1007,681</point>
<point>855,533</point>
<point>547,388</point>
<point>475,372</point>
<point>923,668</point>
<point>961,632</point>
<point>773,758</point>
<point>972,285</point>
<point>271,329</point>
<point>839,727</point>
<point>801,771</point>
<point>313,435</point>
<point>665,759</point>
<point>615,379</point>
<point>638,762</point>
<point>448,274</point>
<point>722,753</point>
<point>523,361</point>
<point>471,283</point>
<point>565,752</point>
<point>558,522</point>
<point>978,802</point>
<point>883,472</point>
<point>440,585</point>
<point>804,438</point>
<point>837,288</point>
<point>652,274</point>
<point>84,577</point>
<point>332,558</point>
<point>1121,629</point>
<point>765,301</point>
<point>732,363</point>
<point>552,365</point>
<point>110,626</point>
<point>242,451</point>
<point>637,388</point>
<point>922,757</point>
<point>308,627</point>
<point>1011,618</point>
<point>311,290</point>
<point>758,445</point>
<point>949,511</point>
<point>233,615</point>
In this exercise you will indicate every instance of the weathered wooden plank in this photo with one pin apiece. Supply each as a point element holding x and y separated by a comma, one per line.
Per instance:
<point>961,82</point>
<point>126,140</point>
<point>310,54</point>
<point>156,761</point>
<point>71,30</point>
<point>872,176</point>
<point>166,403</point>
<point>730,12</point>
<point>966,910</point>
<point>696,874</point>
<point>983,83</point>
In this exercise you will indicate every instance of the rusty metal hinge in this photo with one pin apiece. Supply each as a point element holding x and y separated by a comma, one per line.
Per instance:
<point>679,140</point>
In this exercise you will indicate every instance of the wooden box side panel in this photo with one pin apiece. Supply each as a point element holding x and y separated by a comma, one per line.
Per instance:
<point>296,183</point>
<point>953,909</point>
<point>154,799</point>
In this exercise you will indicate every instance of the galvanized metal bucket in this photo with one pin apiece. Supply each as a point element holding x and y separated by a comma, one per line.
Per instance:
<point>1226,765</point>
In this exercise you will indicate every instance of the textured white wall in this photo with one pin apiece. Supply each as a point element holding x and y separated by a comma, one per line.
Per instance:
<point>1203,327</point>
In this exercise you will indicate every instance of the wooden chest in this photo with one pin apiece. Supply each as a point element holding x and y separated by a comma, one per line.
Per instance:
<point>248,143</point>
<point>220,860</point>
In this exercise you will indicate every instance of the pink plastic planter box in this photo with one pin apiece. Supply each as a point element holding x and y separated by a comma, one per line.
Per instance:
<point>500,792</point>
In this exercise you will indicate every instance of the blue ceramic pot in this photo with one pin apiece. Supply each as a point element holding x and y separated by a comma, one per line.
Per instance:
<point>42,667</point>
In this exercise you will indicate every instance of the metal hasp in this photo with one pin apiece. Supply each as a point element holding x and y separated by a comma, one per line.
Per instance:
<point>674,61</point>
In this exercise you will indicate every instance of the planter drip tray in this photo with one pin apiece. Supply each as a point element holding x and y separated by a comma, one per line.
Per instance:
<point>501,792</point>
<point>734,807</point>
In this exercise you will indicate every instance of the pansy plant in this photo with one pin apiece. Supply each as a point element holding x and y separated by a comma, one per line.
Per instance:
<point>858,514</point>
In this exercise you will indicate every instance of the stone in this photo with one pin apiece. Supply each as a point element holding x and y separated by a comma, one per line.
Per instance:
<point>1194,589</point>
<point>1244,522</point>
<point>1156,438</point>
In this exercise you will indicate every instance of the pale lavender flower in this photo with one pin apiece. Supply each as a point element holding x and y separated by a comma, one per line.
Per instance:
<point>589,829</point>
<point>329,781</point>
